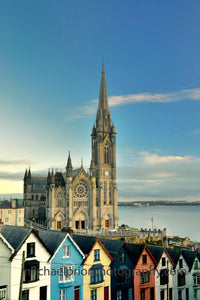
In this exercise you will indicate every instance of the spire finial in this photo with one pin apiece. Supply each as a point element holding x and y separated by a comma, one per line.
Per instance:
<point>81,163</point>
<point>102,63</point>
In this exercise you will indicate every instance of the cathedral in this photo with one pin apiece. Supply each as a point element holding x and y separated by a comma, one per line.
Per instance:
<point>78,199</point>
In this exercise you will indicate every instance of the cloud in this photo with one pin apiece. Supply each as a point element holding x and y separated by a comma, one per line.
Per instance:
<point>16,162</point>
<point>91,107</point>
<point>156,159</point>
<point>11,176</point>
<point>149,176</point>
<point>195,132</point>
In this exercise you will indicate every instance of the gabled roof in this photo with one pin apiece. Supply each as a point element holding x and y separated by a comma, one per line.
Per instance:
<point>15,235</point>
<point>53,239</point>
<point>85,243</point>
<point>174,254</point>
<point>157,253</point>
<point>112,246</point>
<point>8,204</point>
<point>134,251</point>
<point>189,257</point>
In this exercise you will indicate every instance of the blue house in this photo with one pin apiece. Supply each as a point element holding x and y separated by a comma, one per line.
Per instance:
<point>66,268</point>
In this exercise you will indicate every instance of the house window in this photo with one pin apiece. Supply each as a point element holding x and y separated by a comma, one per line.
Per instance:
<point>66,251</point>
<point>93,295</point>
<point>3,292</point>
<point>144,277</point>
<point>187,293</point>
<point>181,278</point>
<point>196,278</point>
<point>106,293</point>
<point>142,294</point>
<point>25,295</point>
<point>164,276</point>
<point>122,257</point>
<point>144,259</point>
<point>6,220</point>
<point>76,293</point>
<point>130,294</point>
<point>20,212</point>
<point>31,271</point>
<point>96,274</point>
<point>62,294</point>
<point>66,273</point>
<point>170,294</point>
<point>30,249</point>
<point>195,295</point>
<point>96,254</point>
<point>162,295</point>
<point>163,261</point>
<point>123,275</point>
<point>180,295</point>
<point>19,220</point>
<point>196,265</point>
<point>9,212</point>
<point>180,263</point>
<point>119,295</point>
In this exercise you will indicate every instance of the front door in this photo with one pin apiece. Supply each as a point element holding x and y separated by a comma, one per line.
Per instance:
<point>43,293</point>
<point>106,293</point>
<point>58,224</point>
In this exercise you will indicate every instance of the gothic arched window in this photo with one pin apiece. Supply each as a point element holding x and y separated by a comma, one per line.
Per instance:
<point>106,154</point>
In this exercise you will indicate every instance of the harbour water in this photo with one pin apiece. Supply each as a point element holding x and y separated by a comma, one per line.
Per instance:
<point>179,220</point>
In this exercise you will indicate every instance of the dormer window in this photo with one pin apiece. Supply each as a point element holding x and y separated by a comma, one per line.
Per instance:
<point>144,259</point>
<point>30,249</point>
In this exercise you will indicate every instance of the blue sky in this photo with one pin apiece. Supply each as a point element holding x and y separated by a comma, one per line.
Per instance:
<point>50,68</point>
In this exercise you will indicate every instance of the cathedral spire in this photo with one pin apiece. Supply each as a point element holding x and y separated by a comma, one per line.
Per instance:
<point>103,112</point>
<point>69,166</point>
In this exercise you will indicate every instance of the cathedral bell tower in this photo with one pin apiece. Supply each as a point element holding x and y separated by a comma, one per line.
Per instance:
<point>103,162</point>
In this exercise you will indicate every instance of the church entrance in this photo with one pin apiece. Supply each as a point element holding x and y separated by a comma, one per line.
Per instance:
<point>58,225</point>
<point>106,223</point>
<point>80,224</point>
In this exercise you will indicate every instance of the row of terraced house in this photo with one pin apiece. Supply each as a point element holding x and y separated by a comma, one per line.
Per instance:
<point>55,265</point>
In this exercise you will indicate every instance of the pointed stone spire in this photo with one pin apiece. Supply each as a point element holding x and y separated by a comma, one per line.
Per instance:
<point>103,112</point>
<point>25,175</point>
<point>69,167</point>
<point>29,172</point>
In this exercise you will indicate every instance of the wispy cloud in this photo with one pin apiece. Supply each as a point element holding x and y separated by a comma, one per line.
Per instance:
<point>90,108</point>
<point>195,132</point>
<point>156,159</point>
<point>16,162</point>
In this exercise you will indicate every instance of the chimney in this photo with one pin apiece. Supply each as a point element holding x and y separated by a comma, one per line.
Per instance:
<point>1,226</point>
<point>14,203</point>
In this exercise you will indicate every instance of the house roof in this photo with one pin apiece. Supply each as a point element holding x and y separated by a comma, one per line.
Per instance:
<point>52,238</point>
<point>174,254</point>
<point>156,252</point>
<point>15,235</point>
<point>189,257</point>
<point>134,251</point>
<point>112,246</point>
<point>85,242</point>
<point>8,204</point>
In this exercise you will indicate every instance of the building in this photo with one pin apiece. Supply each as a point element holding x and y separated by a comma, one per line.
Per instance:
<point>66,282</point>
<point>96,267</point>
<point>14,241</point>
<point>76,198</point>
<point>11,213</point>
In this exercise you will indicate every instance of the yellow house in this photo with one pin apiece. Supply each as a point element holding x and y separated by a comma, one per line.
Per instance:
<point>96,269</point>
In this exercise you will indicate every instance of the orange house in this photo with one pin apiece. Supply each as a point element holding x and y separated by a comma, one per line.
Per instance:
<point>144,276</point>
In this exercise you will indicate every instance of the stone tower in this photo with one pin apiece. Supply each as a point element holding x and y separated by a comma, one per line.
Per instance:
<point>103,162</point>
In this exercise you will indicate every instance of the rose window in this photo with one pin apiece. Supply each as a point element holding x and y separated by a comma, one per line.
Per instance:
<point>80,190</point>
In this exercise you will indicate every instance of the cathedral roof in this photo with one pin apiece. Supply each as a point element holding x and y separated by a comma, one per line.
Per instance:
<point>39,183</point>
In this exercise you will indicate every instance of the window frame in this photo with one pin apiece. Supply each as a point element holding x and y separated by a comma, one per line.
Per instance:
<point>66,251</point>
<point>63,277</point>
<point>96,254</point>
<point>29,248</point>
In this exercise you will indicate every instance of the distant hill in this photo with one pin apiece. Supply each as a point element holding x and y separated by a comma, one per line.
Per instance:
<point>11,196</point>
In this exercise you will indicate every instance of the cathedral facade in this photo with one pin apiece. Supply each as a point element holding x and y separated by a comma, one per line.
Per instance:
<point>76,198</point>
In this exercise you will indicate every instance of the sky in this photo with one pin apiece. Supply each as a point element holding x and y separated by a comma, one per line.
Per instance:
<point>50,69</point>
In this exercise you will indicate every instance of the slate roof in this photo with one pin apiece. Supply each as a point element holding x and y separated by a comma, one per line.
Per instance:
<point>52,238</point>
<point>189,257</point>
<point>8,204</point>
<point>85,243</point>
<point>174,254</point>
<point>39,183</point>
<point>112,246</point>
<point>156,252</point>
<point>15,235</point>
<point>134,251</point>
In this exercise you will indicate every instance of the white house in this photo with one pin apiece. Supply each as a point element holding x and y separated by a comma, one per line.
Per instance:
<point>13,242</point>
<point>181,279</point>
<point>163,273</point>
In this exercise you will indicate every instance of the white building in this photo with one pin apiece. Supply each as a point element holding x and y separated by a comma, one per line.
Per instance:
<point>11,213</point>
<point>13,242</point>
